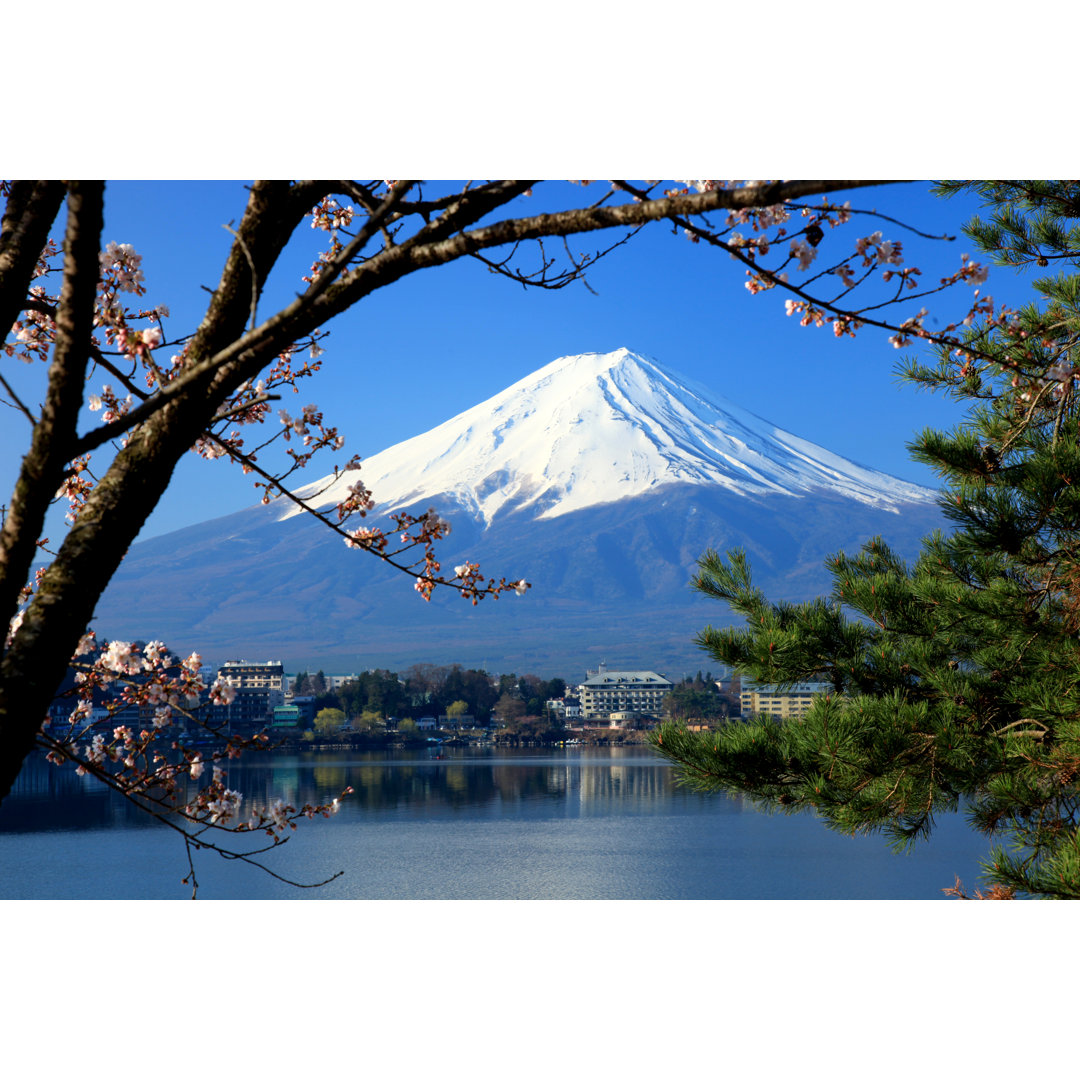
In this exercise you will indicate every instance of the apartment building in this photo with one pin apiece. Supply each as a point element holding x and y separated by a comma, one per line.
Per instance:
<point>756,699</point>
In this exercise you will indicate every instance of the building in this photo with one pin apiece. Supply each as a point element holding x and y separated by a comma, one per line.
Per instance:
<point>762,700</point>
<point>305,703</point>
<point>286,716</point>
<point>635,693</point>
<point>259,690</point>
<point>566,709</point>
<point>245,675</point>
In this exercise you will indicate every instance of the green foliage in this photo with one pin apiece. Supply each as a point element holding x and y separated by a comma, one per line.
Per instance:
<point>379,691</point>
<point>329,721</point>
<point>697,699</point>
<point>369,720</point>
<point>955,681</point>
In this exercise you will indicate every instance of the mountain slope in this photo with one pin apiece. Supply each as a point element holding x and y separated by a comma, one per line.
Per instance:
<point>600,479</point>
<point>593,429</point>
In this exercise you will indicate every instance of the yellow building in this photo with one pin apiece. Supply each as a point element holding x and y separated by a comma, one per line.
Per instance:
<point>757,699</point>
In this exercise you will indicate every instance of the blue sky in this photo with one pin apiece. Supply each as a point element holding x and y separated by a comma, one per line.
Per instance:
<point>419,352</point>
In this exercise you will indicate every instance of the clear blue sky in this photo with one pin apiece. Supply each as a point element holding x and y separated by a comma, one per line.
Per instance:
<point>426,348</point>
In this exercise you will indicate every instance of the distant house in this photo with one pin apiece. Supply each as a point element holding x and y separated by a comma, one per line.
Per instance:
<point>565,708</point>
<point>336,682</point>
<point>462,723</point>
<point>426,723</point>
<point>286,716</point>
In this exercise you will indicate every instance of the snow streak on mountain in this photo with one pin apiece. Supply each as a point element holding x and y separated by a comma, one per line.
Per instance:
<point>600,428</point>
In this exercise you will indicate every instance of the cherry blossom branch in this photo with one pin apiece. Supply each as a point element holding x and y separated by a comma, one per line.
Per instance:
<point>845,316</point>
<point>150,770</point>
<point>274,330</point>
<point>467,580</point>
<point>159,810</point>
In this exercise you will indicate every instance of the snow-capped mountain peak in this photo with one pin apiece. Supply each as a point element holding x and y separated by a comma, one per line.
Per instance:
<point>602,427</point>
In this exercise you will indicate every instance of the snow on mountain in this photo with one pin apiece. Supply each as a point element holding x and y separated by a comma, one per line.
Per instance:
<point>606,476</point>
<point>599,428</point>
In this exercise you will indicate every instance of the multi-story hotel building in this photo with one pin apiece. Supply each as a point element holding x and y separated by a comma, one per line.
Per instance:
<point>260,688</point>
<point>245,675</point>
<point>634,693</point>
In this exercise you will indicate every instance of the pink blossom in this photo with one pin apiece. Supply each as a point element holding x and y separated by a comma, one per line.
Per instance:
<point>154,655</point>
<point>96,751</point>
<point>80,712</point>
<point>224,806</point>
<point>278,812</point>
<point>123,261</point>
<point>222,693</point>
<point>803,252</point>
<point>154,694</point>
<point>120,657</point>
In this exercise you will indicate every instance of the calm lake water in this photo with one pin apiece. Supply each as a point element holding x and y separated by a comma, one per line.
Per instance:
<point>598,824</point>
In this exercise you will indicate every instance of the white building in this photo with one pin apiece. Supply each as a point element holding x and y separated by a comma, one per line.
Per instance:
<point>635,693</point>
<point>260,688</point>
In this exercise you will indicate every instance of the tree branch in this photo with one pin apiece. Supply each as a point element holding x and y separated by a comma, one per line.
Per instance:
<point>31,210</point>
<point>39,477</point>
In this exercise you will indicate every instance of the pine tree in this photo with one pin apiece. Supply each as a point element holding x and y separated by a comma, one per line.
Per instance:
<point>955,681</point>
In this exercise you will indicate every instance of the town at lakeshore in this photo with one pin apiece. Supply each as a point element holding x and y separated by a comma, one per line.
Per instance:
<point>451,705</point>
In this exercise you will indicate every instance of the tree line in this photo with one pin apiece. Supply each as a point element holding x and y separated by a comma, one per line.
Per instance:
<point>434,690</point>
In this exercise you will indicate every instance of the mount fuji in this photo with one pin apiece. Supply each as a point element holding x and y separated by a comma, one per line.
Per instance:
<point>599,478</point>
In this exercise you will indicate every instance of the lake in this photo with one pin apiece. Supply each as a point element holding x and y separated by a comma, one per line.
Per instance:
<point>574,824</point>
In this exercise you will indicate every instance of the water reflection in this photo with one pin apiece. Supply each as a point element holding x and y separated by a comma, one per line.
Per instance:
<point>424,784</point>
<point>418,784</point>
<point>598,824</point>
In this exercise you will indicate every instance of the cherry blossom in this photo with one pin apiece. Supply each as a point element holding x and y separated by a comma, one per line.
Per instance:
<point>802,251</point>
<point>122,263</point>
